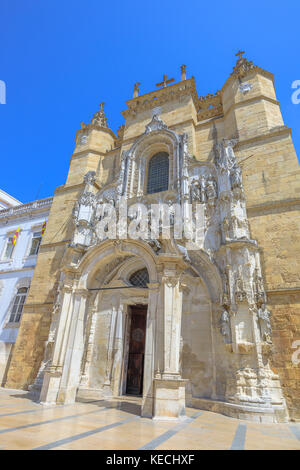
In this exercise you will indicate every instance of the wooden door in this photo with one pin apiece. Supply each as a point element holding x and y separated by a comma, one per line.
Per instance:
<point>136,351</point>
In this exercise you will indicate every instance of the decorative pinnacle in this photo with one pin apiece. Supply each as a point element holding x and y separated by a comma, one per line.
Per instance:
<point>136,89</point>
<point>183,72</point>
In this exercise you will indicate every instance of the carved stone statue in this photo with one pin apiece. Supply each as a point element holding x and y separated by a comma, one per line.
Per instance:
<point>226,229</point>
<point>225,328</point>
<point>211,189</point>
<point>240,293</point>
<point>225,157</point>
<point>90,177</point>
<point>236,177</point>
<point>136,90</point>
<point>265,324</point>
<point>196,191</point>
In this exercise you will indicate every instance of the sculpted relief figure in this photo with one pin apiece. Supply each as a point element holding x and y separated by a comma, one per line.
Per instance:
<point>265,324</point>
<point>226,228</point>
<point>225,158</point>
<point>240,293</point>
<point>225,328</point>
<point>236,177</point>
<point>196,191</point>
<point>211,190</point>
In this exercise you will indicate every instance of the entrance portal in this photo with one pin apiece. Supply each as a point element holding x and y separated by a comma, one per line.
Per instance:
<point>135,370</point>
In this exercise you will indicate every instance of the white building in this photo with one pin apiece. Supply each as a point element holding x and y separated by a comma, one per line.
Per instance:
<point>7,201</point>
<point>17,263</point>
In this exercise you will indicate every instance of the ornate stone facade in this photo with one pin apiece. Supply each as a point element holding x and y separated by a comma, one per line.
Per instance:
<point>208,336</point>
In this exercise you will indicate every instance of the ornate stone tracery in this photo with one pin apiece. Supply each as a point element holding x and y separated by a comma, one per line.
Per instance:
<point>226,264</point>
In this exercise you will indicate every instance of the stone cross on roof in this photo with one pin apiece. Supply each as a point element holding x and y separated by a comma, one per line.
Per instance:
<point>239,54</point>
<point>165,82</point>
<point>99,118</point>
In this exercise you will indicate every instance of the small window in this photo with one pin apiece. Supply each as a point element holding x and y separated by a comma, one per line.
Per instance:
<point>139,278</point>
<point>18,305</point>
<point>158,173</point>
<point>9,247</point>
<point>35,244</point>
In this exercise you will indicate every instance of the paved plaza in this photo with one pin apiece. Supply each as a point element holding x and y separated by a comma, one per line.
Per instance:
<point>116,424</point>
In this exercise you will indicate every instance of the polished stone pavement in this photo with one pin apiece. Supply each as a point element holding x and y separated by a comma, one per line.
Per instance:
<point>116,424</point>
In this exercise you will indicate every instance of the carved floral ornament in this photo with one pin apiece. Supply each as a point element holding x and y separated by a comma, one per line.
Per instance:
<point>217,186</point>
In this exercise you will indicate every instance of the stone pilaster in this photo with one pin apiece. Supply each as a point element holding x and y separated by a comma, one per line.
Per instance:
<point>169,388</point>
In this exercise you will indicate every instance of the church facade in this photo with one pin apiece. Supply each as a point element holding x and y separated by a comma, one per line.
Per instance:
<point>123,303</point>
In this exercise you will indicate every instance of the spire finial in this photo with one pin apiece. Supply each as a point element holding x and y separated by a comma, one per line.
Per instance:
<point>136,89</point>
<point>183,72</point>
<point>99,119</point>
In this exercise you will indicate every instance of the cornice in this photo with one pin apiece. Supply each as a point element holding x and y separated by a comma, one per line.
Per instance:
<point>64,188</point>
<point>88,149</point>
<point>288,204</point>
<point>284,291</point>
<point>53,244</point>
<point>90,127</point>
<point>241,103</point>
<point>29,208</point>
<point>16,270</point>
<point>275,132</point>
<point>252,71</point>
<point>161,96</point>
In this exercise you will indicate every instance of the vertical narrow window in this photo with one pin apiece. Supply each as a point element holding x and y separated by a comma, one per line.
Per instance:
<point>158,173</point>
<point>35,244</point>
<point>18,305</point>
<point>9,247</point>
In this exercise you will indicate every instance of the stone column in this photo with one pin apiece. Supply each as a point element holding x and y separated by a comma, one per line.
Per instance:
<point>117,353</point>
<point>53,372</point>
<point>74,350</point>
<point>89,350</point>
<point>149,361</point>
<point>169,388</point>
<point>107,391</point>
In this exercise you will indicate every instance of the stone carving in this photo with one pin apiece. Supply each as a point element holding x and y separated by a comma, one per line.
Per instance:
<point>225,157</point>
<point>225,328</point>
<point>136,90</point>
<point>236,177</point>
<point>240,293</point>
<point>82,139</point>
<point>156,124</point>
<point>258,288</point>
<point>211,190</point>
<point>90,177</point>
<point>203,189</point>
<point>265,327</point>
<point>196,191</point>
<point>243,66</point>
<point>98,121</point>
<point>245,87</point>
<point>84,213</point>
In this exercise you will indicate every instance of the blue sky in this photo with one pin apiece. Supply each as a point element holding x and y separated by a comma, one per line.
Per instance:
<point>60,59</point>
